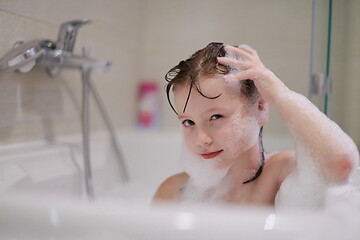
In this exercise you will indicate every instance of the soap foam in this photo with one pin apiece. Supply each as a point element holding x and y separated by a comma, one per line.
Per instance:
<point>207,176</point>
<point>329,127</point>
<point>203,172</point>
<point>245,131</point>
<point>204,176</point>
<point>233,81</point>
<point>306,186</point>
<point>233,56</point>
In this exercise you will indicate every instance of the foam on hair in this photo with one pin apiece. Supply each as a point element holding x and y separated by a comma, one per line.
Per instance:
<point>233,81</point>
<point>233,56</point>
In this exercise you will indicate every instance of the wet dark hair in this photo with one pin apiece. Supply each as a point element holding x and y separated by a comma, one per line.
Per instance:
<point>203,63</point>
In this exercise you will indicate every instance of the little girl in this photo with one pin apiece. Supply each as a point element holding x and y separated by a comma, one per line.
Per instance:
<point>221,96</point>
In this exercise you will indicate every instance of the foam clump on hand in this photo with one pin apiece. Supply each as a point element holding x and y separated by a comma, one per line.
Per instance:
<point>233,70</point>
<point>230,78</point>
<point>233,56</point>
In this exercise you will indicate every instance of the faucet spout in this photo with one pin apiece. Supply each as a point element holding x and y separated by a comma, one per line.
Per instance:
<point>56,60</point>
<point>67,34</point>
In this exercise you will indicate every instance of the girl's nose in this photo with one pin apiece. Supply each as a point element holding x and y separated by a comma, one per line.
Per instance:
<point>203,139</point>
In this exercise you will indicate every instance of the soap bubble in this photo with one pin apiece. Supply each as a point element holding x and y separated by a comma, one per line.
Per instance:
<point>204,176</point>
<point>208,177</point>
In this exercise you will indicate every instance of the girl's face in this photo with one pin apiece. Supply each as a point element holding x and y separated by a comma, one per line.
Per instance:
<point>220,130</point>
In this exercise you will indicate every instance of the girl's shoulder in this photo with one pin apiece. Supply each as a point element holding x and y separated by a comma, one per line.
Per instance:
<point>280,163</point>
<point>171,188</point>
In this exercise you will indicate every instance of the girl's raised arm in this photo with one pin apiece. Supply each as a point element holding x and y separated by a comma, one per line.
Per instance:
<point>316,136</point>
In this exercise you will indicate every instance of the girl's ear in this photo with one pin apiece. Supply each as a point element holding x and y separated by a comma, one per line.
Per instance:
<point>263,107</point>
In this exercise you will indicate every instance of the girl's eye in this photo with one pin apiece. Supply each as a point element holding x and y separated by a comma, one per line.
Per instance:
<point>188,123</point>
<point>216,116</point>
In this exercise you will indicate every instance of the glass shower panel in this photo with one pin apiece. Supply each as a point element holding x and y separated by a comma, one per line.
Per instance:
<point>339,61</point>
<point>334,62</point>
<point>320,80</point>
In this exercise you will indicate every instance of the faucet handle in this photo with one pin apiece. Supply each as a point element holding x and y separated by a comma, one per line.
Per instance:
<point>67,34</point>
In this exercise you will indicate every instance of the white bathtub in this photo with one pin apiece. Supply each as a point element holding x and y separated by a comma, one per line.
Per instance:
<point>56,168</point>
<point>43,198</point>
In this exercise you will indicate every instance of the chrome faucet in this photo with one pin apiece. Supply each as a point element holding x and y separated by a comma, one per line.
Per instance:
<point>54,56</point>
<point>62,56</point>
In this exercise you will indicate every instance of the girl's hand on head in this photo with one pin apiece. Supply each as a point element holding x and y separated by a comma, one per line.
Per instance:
<point>248,65</point>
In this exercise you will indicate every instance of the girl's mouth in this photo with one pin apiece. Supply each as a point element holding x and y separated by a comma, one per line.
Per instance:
<point>211,154</point>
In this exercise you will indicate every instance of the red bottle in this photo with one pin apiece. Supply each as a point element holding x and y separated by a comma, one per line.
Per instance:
<point>148,105</point>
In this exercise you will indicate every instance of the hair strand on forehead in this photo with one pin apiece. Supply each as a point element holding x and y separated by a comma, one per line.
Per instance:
<point>203,63</point>
<point>187,98</point>
<point>168,88</point>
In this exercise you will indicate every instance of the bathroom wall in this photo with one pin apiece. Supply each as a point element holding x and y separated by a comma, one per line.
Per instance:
<point>351,113</point>
<point>34,105</point>
<point>279,30</point>
<point>144,38</point>
<point>344,62</point>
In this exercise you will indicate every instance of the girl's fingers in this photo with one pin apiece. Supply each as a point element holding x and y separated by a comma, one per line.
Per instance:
<point>249,68</point>
<point>238,52</point>
<point>234,63</point>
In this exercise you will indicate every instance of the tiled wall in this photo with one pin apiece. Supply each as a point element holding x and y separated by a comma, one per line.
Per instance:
<point>145,38</point>
<point>279,30</point>
<point>352,86</point>
<point>33,103</point>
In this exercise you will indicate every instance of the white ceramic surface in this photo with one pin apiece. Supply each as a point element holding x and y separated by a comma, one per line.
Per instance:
<point>42,198</point>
